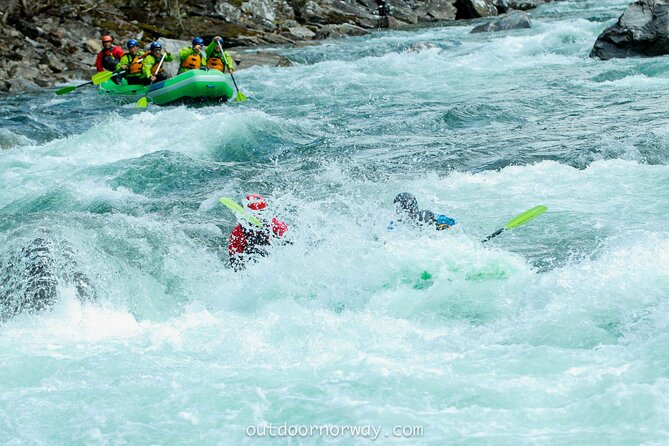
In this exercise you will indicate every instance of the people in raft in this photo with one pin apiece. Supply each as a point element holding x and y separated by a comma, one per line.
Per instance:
<point>152,69</point>
<point>249,242</point>
<point>408,215</point>
<point>131,63</point>
<point>110,55</point>
<point>217,58</point>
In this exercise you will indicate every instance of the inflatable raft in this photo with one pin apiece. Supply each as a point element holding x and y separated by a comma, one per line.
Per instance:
<point>193,85</point>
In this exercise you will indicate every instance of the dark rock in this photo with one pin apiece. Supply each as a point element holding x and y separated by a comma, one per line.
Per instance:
<point>52,61</point>
<point>30,275</point>
<point>333,12</point>
<point>524,5</point>
<point>402,11</point>
<point>642,30</point>
<point>389,22</point>
<point>258,58</point>
<point>515,20</point>
<point>433,10</point>
<point>501,5</point>
<point>300,33</point>
<point>473,9</point>
<point>417,47</point>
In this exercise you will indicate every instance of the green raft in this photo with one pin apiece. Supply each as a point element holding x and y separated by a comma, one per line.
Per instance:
<point>193,85</point>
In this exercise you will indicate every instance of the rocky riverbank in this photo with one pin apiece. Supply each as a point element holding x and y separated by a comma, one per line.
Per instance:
<point>50,41</point>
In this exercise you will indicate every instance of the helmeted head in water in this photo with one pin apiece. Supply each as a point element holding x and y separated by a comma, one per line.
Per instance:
<point>406,207</point>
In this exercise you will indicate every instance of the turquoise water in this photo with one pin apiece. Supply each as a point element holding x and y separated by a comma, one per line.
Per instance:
<point>553,333</point>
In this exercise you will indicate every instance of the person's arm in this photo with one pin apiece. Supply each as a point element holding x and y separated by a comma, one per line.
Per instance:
<point>236,248</point>
<point>278,227</point>
<point>231,65</point>
<point>237,244</point>
<point>210,48</point>
<point>118,52</point>
<point>168,57</point>
<point>123,63</point>
<point>98,62</point>
<point>149,60</point>
<point>185,52</point>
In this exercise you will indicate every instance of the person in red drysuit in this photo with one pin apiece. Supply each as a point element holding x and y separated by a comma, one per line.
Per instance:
<point>247,241</point>
<point>110,55</point>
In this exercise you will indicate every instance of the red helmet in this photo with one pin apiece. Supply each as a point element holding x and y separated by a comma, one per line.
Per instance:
<point>107,38</point>
<point>255,202</point>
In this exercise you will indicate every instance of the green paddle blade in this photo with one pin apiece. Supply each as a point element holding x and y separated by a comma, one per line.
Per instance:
<point>101,77</point>
<point>142,102</point>
<point>237,208</point>
<point>66,90</point>
<point>525,217</point>
<point>241,97</point>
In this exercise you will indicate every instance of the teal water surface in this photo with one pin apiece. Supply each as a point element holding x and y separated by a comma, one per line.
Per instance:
<point>555,332</point>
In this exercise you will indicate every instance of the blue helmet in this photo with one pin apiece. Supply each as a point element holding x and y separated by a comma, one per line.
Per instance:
<point>131,43</point>
<point>198,41</point>
<point>156,46</point>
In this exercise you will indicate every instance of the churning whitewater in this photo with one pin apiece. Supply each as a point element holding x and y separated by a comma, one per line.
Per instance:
<point>555,332</point>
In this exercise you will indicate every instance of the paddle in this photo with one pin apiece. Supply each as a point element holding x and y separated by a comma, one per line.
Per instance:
<point>104,76</point>
<point>240,96</point>
<point>96,79</point>
<point>237,208</point>
<point>143,101</point>
<point>66,90</point>
<point>519,220</point>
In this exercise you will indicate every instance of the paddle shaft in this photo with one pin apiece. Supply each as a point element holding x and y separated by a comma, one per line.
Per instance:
<point>225,62</point>
<point>160,64</point>
<point>519,220</point>
<point>494,234</point>
<point>142,101</point>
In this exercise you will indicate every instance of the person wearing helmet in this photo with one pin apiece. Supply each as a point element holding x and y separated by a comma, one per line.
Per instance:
<point>131,63</point>
<point>247,241</point>
<point>192,58</point>
<point>408,215</point>
<point>217,60</point>
<point>109,56</point>
<point>152,69</point>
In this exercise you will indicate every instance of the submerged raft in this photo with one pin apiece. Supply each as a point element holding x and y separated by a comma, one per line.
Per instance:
<point>193,85</point>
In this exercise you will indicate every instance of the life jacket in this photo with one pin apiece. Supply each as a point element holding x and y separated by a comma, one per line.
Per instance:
<point>135,66</point>
<point>192,62</point>
<point>215,63</point>
<point>109,62</point>
<point>154,68</point>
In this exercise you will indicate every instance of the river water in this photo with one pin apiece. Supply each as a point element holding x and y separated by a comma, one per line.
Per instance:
<point>555,332</point>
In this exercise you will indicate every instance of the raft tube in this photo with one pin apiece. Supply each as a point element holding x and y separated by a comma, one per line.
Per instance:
<point>193,85</point>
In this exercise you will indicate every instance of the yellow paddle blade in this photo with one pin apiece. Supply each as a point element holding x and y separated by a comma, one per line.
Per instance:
<point>525,217</point>
<point>238,209</point>
<point>101,77</point>
<point>241,97</point>
<point>142,103</point>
